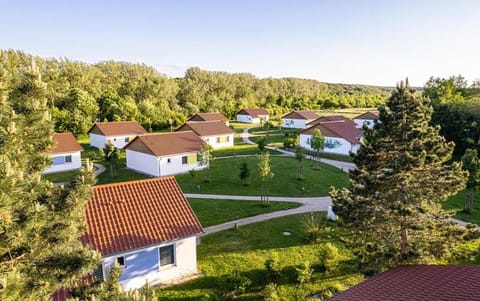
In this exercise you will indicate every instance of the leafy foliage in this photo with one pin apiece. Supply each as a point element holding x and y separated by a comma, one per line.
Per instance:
<point>317,143</point>
<point>40,224</point>
<point>471,163</point>
<point>244,172</point>
<point>391,204</point>
<point>265,174</point>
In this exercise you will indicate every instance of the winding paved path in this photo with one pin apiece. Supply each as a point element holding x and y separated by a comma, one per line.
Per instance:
<point>309,204</point>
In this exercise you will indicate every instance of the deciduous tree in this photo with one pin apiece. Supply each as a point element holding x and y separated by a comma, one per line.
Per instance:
<point>471,163</point>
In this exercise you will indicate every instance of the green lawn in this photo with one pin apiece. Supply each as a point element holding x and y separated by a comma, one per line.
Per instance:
<point>456,203</point>
<point>214,212</point>
<point>275,140</point>
<point>245,251</point>
<point>66,176</point>
<point>225,179</point>
<point>242,149</point>
<point>239,126</point>
<point>349,113</point>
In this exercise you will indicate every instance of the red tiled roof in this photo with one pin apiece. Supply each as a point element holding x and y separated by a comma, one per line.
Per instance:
<point>131,215</point>
<point>370,115</point>
<point>117,128</point>
<point>308,115</point>
<point>208,117</point>
<point>206,128</point>
<point>162,144</point>
<point>253,112</point>
<point>418,283</point>
<point>65,143</point>
<point>342,129</point>
<point>327,118</point>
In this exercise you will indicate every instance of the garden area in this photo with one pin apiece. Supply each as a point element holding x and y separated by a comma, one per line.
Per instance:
<point>242,262</point>
<point>457,202</point>
<point>224,178</point>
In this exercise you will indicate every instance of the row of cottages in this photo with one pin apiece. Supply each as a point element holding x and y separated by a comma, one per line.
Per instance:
<point>298,119</point>
<point>65,154</point>
<point>120,133</point>
<point>215,133</point>
<point>210,117</point>
<point>366,119</point>
<point>164,154</point>
<point>341,134</point>
<point>253,116</point>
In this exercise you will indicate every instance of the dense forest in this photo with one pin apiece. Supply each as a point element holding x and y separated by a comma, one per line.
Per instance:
<point>80,93</point>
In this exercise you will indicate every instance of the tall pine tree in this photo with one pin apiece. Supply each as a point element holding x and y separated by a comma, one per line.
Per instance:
<point>392,202</point>
<point>40,225</point>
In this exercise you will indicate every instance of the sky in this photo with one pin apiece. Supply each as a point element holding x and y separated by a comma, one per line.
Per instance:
<point>337,41</point>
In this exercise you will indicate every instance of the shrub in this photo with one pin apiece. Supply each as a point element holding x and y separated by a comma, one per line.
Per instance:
<point>274,272</point>
<point>192,173</point>
<point>234,284</point>
<point>329,257</point>
<point>313,225</point>
<point>270,293</point>
<point>304,273</point>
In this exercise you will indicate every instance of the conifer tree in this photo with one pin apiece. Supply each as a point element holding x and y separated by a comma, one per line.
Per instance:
<point>392,202</point>
<point>40,225</point>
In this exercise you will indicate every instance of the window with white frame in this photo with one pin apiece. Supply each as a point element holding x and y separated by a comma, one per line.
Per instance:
<point>68,159</point>
<point>184,160</point>
<point>166,255</point>
<point>121,261</point>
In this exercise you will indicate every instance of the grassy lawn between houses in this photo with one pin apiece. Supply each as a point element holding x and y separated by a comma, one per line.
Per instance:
<point>456,203</point>
<point>237,150</point>
<point>224,178</point>
<point>245,251</point>
<point>214,212</point>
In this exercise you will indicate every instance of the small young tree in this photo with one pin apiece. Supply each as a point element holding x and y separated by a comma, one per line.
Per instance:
<point>471,163</point>
<point>261,143</point>
<point>206,158</point>
<point>244,173</point>
<point>317,143</point>
<point>299,156</point>
<point>264,174</point>
<point>110,154</point>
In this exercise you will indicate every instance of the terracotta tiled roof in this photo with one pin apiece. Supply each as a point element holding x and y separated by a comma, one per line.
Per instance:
<point>162,144</point>
<point>65,143</point>
<point>131,215</point>
<point>307,115</point>
<point>342,129</point>
<point>206,128</point>
<point>117,128</point>
<point>418,283</point>
<point>370,115</point>
<point>253,112</point>
<point>208,117</point>
<point>327,118</point>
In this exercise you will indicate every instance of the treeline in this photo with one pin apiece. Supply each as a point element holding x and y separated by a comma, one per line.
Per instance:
<point>79,93</point>
<point>456,110</point>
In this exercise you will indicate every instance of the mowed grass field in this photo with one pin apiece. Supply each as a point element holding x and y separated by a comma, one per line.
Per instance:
<point>224,178</point>
<point>245,251</point>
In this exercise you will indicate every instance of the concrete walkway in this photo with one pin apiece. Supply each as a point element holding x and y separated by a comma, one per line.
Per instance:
<point>309,204</point>
<point>99,168</point>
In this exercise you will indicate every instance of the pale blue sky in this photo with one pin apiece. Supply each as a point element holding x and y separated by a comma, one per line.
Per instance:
<point>367,42</point>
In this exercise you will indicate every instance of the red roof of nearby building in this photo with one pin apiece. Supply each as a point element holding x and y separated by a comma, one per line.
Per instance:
<point>370,115</point>
<point>341,128</point>
<point>65,143</point>
<point>136,214</point>
<point>253,112</point>
<point>117,128</point>
<point>163,144</point>
<point>418,283</point>
<point>308,115</point>
<point>213,116</point>
<point>206,128</point>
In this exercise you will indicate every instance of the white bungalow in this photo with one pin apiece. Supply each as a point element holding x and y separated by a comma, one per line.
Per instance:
<point>253,116</point>
<point>215,133</point>
<point>65,154</point>
<point>147,227</point>
<point>298,119</point>
<point>367,118</point>
<point>118,132</point>
<point>164,154</point>
<point>341,136</point>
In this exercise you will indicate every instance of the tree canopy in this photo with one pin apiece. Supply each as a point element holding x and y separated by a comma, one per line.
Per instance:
<point>392,202</point>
